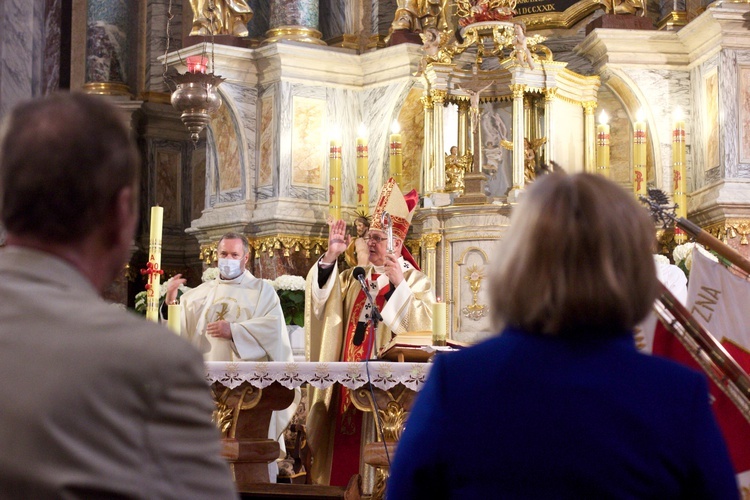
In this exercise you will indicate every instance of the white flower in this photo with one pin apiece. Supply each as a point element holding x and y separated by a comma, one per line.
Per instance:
<point>681,252</point>
<point>210,274</point>
<point>289,282</point>
<point>661,259</point>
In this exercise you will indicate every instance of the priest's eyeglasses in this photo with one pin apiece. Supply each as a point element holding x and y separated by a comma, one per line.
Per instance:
<point>376,239</point>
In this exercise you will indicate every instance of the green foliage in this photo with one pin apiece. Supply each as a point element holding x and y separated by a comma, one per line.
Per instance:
<point>293,305</point>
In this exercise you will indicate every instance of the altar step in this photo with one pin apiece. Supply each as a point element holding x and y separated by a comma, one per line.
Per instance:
<point>274,491</point>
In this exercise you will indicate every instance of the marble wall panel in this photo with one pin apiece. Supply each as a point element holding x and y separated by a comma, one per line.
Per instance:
<point>333,18</point>
<point>197,184</point>
<point>157,12</point>
<point>734,102</point>
<point>20,42</point>
<point>710,85</point>
<point>308,142</point>
<point>50,78</point>
<point>267,136</point>
<point>168,165</point>
<point>258,25</point>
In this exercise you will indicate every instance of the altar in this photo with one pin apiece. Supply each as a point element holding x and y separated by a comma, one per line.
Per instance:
<point>246,393</point>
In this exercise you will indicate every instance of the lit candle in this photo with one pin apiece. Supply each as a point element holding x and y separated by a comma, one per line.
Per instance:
<point>602,145</point>
<point>154,264</point>
<point>334,187</point>
<point>439,323</point>
<point>679,187</point>
<point>173,318</point>
<point>363,197</point>
<point>197,64</point>
<point>396,154</point>
<point>639,155</point>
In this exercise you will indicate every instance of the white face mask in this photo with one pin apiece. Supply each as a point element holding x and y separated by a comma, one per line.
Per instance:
<point>230,268</point>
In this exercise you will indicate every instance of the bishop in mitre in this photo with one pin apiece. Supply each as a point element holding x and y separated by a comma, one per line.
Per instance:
<point>337,322</point>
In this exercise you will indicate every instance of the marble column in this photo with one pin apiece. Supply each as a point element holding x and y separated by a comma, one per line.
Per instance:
<point>428,176</point>
<point>549,101</point>
<point>110,53</point>
<point>518,144</point>
<point>463,127</point>
<point>296,20</point>
<point>438,148</point>
<point>429,250</point>
<point>589,136</point>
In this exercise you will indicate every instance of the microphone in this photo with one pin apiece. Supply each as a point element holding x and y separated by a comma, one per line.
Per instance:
<point>359,274</point>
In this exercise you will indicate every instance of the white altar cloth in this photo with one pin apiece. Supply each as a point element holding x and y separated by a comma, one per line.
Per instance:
<point>383,375</point>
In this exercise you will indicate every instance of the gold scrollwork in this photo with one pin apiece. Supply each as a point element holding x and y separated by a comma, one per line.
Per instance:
<point>392,420</point>
<point>474,311</point>
<point>426,101</point>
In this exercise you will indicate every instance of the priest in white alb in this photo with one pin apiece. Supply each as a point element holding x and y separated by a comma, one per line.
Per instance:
<point>236,317</point>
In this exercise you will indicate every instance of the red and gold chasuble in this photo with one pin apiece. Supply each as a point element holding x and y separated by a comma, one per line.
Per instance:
<point>346,444</point>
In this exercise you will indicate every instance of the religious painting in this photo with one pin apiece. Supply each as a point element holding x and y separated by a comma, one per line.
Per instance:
<point>227,150</point>
<point>168,184</point>
<point>411,120</point>
<point>744,108</point>
<point>711,117</point>
<point>198,167</point>
<point>265,170</point>
<point>308,150</point>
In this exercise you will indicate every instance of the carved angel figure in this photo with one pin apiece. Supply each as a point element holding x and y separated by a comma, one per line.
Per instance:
<point>220,17</point>
<point>520,47</point>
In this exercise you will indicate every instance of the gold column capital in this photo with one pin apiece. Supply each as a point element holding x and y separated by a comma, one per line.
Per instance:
<point>589,107</point>
<point>550,93</point>
<point>438,96</point>
<point>518,90</point>
<point>463,106</point>
<point>426,101</point>
<point>430,240</point>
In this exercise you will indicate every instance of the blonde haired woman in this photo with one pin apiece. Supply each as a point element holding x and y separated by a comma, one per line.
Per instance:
<point>561,404</point>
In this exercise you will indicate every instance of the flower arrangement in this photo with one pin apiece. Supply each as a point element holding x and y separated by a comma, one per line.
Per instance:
<point>291,292</point>
<point>683,255</point>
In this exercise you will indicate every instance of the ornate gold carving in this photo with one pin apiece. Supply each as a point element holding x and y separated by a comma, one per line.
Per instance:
<point>429,241</point>
<point>550,93</point>
<point>438,96</point>
<point>392,420</point>
<point>381,478</point>
<point>624,7</point>
<point>107,88</point>
<point>455,168</point>
<point>295,33</point>
<point>229,403</point>
<point>426,101</point>
<point>208,253</point>
<point>589,107</point>
<point>518,90</point>
<point>730,229</point>
<point>474,311</point>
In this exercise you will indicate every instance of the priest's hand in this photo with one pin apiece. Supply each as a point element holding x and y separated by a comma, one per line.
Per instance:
<point>173,284</point>
<point>393,269</point>
<point>219,329</point>
<point>338,240</point>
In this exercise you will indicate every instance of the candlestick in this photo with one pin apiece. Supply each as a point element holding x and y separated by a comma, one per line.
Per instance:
<point>679,171</point>
<point>174,313</point>
<point>363,196</point>
<point>602,145</point>
<point>439,323</point>
<point>197,64</point>
<point>154,264</point>
<point>334,188</point>
<point>396,153</point>
<point>639,156</point>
